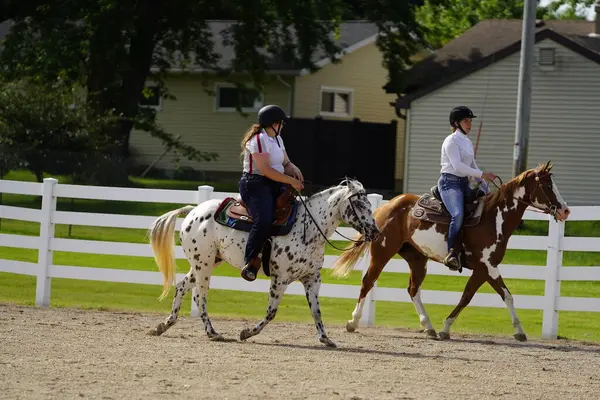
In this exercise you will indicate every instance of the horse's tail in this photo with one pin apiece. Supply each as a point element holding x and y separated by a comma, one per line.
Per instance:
<point>163,245</point>
<point>344,264</point>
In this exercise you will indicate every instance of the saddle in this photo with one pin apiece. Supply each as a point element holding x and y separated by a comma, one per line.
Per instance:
<point>233,213</point>
<point>430,207</point>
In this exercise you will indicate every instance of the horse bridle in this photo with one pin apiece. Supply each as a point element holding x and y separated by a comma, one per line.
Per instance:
<point>553,210</point>
<point>306,210</point>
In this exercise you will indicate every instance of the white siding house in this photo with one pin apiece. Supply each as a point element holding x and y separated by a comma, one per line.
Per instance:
<point>565,111</point>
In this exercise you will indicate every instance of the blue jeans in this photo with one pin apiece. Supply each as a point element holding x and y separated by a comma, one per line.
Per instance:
<point>260,194</point>
<point>454,190</point>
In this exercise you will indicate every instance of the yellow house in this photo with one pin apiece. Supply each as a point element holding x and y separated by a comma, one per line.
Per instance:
<point>353,88</point>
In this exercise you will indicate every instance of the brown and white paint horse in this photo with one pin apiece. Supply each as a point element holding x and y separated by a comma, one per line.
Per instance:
<point>485,243</point>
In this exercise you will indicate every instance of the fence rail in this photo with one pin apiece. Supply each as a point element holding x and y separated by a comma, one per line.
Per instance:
<point>46,244</point>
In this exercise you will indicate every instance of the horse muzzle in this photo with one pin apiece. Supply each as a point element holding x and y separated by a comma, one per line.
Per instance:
<point>562,214</point>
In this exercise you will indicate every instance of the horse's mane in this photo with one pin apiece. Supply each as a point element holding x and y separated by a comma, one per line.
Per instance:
<point>493,199</point>
<point>347,182</point>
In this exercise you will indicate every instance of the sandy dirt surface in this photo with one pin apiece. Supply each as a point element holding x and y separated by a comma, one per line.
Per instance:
<point>72,354</point>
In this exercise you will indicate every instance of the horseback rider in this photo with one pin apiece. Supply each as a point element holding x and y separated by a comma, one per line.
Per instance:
<point>266,169</point>
<point>458,164</point>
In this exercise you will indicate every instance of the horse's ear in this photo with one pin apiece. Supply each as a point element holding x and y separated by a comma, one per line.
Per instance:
<point>545,167</point>
<point>347,182</point>
<point>351,185</point>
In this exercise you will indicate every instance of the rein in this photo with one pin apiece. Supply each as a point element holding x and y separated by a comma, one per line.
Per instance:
<point>307,211</point>
<point>551,210</point>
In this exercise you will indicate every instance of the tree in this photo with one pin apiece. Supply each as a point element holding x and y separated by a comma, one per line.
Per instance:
<point>49,131</point>
<point>109,46</point>
<point>106,47</point>
<point>445,20</point>
<point>568,9</point>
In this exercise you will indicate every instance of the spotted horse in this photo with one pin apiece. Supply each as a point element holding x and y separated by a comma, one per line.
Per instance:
<point>413,235</point>
<point>297,255</point>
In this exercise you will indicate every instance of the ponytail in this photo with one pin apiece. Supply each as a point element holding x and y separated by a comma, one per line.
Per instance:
<point>253,131</point>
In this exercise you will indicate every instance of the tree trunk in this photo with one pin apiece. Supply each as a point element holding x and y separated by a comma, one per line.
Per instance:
<point>121,90</point>
<point>140,61</point>
<point>39,176</point>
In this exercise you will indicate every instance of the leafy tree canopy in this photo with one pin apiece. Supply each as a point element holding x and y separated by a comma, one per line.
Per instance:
<point>445,20</point>
<point>108,47</point>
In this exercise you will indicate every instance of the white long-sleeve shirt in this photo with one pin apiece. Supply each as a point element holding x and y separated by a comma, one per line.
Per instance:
<point>458,156</point>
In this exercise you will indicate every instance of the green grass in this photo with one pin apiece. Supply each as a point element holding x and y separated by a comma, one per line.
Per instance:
<point>20,289</point>
<point>105,295</point>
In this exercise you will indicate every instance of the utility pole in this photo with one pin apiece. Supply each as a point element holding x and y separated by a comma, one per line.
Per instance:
<point>524,94</point>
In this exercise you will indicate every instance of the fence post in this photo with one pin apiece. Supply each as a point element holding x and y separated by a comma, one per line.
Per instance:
<point>204,194</point>
<point>556,232</point>
<point>42,288</point>
<point>368,315</point>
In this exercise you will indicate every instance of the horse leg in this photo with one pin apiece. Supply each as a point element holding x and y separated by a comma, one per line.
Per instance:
<point>275,295</point>
<point>182,287</point>
<point>418,270</point>
<point>312,284</point>
<point>473,284</point>
<point>502,290</point>
<point>380,256</point>
<point>202,285</point>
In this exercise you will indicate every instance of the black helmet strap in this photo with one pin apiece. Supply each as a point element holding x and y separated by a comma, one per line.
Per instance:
<point>277,132</point>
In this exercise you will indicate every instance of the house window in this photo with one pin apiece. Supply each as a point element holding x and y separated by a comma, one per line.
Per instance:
<point>150,97</point>
<point>546,56</point>
<point>336,102</point>
<point>229,97</point>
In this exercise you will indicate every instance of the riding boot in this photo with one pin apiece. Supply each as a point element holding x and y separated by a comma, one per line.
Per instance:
<point>250,271</point>
<point>452,261</point>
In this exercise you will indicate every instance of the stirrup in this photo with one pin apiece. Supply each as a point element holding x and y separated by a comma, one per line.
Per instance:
<point>248,274</point>
<point>452,261</point>
<point>250,271</point>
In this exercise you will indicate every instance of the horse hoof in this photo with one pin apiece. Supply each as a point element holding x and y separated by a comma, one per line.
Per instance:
<point>350,327</point>
<point>327,342</point>
<point>160,329</point>
<point>245,334</point>
<point>431,333</point>
<point>216,338</point>
<point>444,335</point>
<point>521,337</point>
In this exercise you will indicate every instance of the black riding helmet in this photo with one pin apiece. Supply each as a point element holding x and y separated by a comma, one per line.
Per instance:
<point>268,115</point>
<point>459,113</point>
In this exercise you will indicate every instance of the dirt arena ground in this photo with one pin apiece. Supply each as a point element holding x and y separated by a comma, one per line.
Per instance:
<point>72,354</point>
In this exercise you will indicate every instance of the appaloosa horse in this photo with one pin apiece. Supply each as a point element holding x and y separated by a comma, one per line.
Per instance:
<point>412,228</point>
<point>210,234</point>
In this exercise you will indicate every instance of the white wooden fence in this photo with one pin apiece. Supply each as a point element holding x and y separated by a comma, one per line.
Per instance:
<point>45,269</point>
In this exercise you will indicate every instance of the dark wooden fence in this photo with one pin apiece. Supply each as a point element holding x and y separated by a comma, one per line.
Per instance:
<point>328,150</point>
